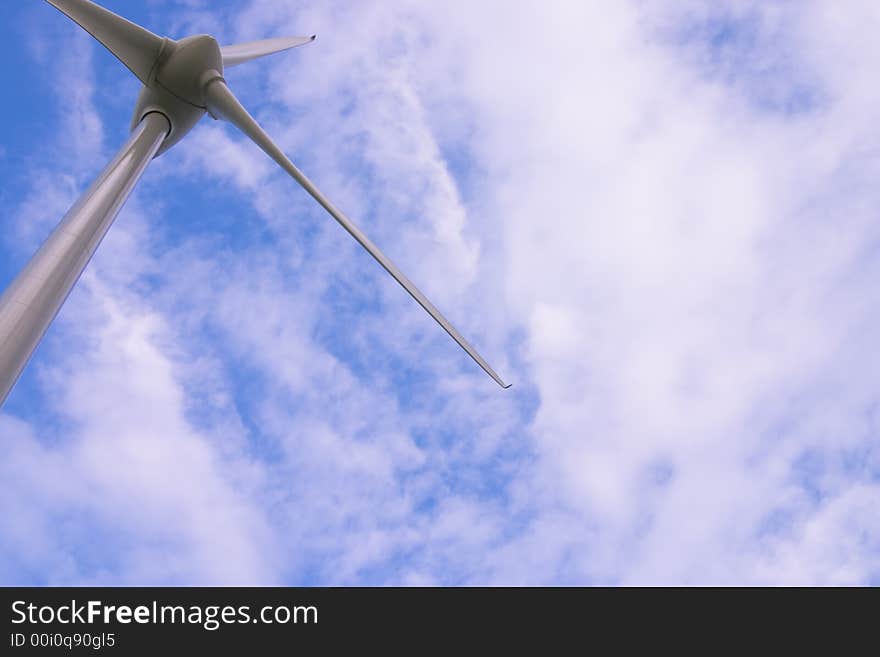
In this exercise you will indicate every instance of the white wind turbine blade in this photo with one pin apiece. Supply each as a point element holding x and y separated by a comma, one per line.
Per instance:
<point>133,45</point>
<point>244,52</point>
<point>223,104</point>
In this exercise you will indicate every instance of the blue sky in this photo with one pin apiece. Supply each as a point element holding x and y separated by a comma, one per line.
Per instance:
<point>660,222</point>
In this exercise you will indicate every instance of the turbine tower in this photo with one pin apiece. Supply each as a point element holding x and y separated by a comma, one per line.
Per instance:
<point>183,80</point>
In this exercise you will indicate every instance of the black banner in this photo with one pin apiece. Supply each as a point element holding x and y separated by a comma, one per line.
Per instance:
<point>127,621</point>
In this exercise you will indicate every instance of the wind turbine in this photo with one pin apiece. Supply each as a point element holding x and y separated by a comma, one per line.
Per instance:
<point>183,80</point>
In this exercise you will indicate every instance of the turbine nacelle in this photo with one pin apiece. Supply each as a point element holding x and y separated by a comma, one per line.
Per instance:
<point>177,83</point>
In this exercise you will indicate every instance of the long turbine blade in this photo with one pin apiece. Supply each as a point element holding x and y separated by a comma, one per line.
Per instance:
<point>133,45</point>
<point>223,104</point>
<point>244,52</point>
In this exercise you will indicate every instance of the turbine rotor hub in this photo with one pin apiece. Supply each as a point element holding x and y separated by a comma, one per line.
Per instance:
<point>182,67</point>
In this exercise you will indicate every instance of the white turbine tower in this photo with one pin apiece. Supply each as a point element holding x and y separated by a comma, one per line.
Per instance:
<point>182,81</point>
